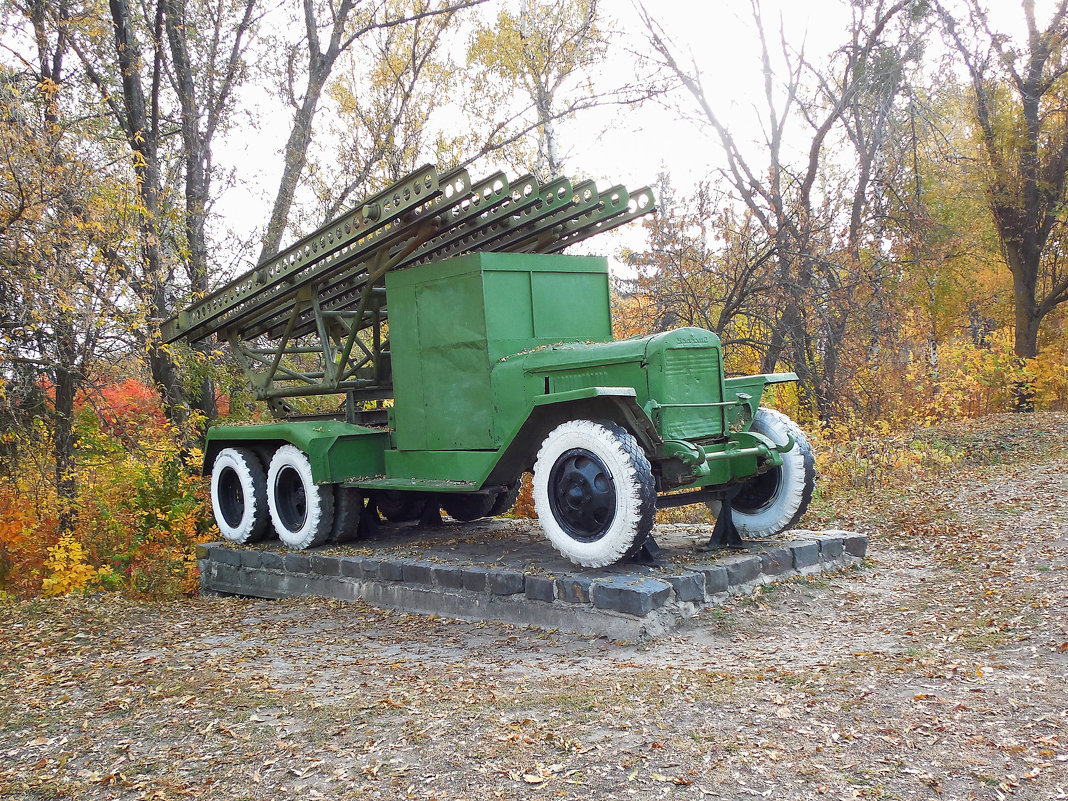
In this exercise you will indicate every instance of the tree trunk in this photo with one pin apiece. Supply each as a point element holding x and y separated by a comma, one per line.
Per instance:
<point>296,156</point>
<point>139,126</point>
<point>197,179</point>
<point>1028,314</point>
<point>63,438</point>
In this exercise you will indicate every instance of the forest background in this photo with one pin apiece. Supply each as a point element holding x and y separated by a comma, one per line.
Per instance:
<point>884,216</point>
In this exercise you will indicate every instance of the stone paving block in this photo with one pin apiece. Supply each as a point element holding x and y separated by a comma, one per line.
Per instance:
<point>855,544</point>
<point>540,588</point>
<point>776,561</point>
<point>449,576</point>
<point>689,586</point>
<point>716,579</point>
<point>830,548</point>
<point>295,563</point>
<point>369,568</point>
<point>351,566</point>
<point>271,560</point>
<point>476,579</point>
<point>324,565</point>
<point>574,589</point>
<point>202,552</point>
<point>741,569</point>
<point>251,558</point>
<point>632,596</point>
<point>226,556</point>
<point>417,572</point>
<point>505,582</point>
<point>806,554</point>
<point>390,570</point>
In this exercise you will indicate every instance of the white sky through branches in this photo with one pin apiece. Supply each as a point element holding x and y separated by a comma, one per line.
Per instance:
<point>626,145</point>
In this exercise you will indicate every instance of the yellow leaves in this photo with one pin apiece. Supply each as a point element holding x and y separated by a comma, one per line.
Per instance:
<point>48,87</point>
<point>69,569</point>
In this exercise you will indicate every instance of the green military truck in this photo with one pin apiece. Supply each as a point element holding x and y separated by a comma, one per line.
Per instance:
<point>430,346</point>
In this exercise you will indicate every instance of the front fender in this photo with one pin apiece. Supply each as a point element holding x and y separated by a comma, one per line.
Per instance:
<point>546,412</point>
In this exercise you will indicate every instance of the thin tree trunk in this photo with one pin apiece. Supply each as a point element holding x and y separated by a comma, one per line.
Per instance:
<point>142,137</point>
<point>296,157</point>
<point>63,437</point>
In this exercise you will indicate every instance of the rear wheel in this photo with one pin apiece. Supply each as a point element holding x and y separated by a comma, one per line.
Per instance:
<point>467,506</point>
<point>399,506</point>
<point>594,492</point>
<point>348,508</point>
<point>506,500</point>
<point>302,511</point>
<point>239,495</point>
<point>774,501</point>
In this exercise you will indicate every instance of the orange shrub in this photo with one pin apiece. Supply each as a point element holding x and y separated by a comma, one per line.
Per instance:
<point>27,530</point>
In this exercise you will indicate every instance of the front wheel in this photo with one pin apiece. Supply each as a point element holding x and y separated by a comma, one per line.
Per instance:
<point>302,511</point>
<point>774,501</point>
<point>594,492</point>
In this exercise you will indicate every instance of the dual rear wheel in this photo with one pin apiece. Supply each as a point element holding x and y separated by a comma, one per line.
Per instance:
<point>249,501</point>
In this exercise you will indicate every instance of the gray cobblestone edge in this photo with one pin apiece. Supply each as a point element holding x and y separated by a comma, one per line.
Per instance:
<point>615,604</point>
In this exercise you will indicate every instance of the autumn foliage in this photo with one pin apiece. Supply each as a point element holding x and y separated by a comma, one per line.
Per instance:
<point>140,508</point>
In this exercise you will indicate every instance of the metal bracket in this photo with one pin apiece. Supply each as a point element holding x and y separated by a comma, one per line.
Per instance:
<point>725,534</point>
<point>649,553</point>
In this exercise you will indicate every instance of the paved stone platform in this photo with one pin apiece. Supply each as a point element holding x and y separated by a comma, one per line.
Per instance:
<point>505,570</point>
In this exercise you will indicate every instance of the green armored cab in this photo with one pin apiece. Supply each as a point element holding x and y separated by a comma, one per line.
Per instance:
<point>464,350</point>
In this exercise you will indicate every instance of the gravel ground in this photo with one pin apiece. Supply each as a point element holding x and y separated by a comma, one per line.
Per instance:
<point>938,669</point>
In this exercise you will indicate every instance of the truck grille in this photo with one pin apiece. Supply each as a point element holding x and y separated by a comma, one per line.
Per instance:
<point>691,375</point>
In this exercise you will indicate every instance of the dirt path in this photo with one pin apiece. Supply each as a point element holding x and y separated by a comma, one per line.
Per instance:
<point>938,670</point>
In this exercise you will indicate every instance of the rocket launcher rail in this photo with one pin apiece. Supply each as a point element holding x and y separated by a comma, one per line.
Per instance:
<point>330,284</point>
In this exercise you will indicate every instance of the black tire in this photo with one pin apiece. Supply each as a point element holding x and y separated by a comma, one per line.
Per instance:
<point>239,495</point>
<point>302,511</point>
<point>399,506</point>
<point>506,500</point>
<point>467,506</point>
<point>594,492</point>
<point>348,508</point>
<point>774,501</point>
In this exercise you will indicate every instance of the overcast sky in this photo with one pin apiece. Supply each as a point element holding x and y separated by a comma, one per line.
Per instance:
<point>615,145</point>
<point>629,145</point>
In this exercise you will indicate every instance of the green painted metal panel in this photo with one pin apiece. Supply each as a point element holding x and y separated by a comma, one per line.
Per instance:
<point>441,368</point>
<point>510,318</point>
<point>569,306</point>
<point>455,366</point>
<point>686,381</point>
<point>454,320</point>
<point>573,355</point>
<point>469,467</point>
<point>337,451</point>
